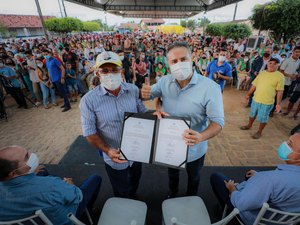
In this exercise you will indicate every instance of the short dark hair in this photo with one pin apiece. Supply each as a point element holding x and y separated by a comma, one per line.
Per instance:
<point>179,44</point>
<point>6,167</point>
<point>274,60</point>
<point>296,48</point>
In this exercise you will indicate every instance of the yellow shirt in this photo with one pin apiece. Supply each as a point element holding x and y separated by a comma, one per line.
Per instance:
<point>267,84</point>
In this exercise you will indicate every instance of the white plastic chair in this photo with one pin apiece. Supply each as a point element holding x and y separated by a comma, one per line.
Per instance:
<point>122,211</point>
<point>39,215</point>
<point>268,215</point>
<point>189,211</point>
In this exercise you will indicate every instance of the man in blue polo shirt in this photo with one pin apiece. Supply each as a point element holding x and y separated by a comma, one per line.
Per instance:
<point>219,70</point>
<point>186,93</point>
<point>57,76</point>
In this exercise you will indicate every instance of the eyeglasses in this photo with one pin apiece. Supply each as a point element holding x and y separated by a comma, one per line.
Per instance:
<point>107,71</point>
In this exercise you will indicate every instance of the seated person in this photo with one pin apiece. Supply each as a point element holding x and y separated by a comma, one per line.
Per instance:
<point>23,192</point>
<point>279,188</point>
<point>160,71</point>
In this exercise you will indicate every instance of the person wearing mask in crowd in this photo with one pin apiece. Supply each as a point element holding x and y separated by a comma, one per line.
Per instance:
<point>126,65</point>
<point>23,192</point>
<point>102,112</point>
<point>276,54</point>
<point>243,76</point>
<point>45,83</point>
<point>91,58</point>
<point>205,109</point>
<point>203,63</point>
<point>57,77</point>
<point>279,188</point>
<point>265,87</point>
<point>31,67</point>
<point>9,80</point>
<point>220,70</point>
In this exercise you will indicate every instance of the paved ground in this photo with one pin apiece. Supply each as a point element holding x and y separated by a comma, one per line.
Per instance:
<point>50,133</point>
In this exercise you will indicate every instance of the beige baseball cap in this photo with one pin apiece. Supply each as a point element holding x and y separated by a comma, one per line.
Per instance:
<point>108,57</point>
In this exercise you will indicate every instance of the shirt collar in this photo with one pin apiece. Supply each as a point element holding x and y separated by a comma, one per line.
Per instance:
<point>293,168</point>
<point>18,180</point>
<point>102,91</point>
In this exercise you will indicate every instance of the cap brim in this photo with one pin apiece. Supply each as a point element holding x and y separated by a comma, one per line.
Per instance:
<point>109,61</point>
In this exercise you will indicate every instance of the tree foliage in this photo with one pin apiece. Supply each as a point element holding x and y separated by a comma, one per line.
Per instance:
<point>203,22</point>
<point>64,25</point>
<point>214,29</point>
<point>3,29</point>
<point>236,31</point>
<point>91,26</point>
<point>191,24</point>
<point>281,17</point>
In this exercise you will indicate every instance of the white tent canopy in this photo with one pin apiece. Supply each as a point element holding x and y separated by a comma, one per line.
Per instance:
<point>155,8</point>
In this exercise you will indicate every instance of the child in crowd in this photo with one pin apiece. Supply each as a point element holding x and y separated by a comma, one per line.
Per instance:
<point>71,83</point>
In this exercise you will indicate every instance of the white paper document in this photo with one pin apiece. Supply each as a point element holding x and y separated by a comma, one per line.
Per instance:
<point>170,146</point>
<point>137,139</point>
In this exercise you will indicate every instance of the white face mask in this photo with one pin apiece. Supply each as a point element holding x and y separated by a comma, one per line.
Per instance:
<point>40,65</point>
<point>221,58</point>
<point>121,57</point>
<point>1,64</point>
<point>33,162</point>
<point>181,70</point>
<point>111,81</point>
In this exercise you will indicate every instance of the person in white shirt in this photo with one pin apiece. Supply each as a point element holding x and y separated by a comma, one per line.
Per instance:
<point>289,69</point>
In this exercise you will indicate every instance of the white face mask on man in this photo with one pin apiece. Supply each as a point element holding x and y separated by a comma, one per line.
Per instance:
<point>111,81</point>
<point>221,58</point>
<point>181,70</point>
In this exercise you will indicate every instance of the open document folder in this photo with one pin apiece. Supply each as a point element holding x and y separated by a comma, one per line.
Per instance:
<point>150,140</point>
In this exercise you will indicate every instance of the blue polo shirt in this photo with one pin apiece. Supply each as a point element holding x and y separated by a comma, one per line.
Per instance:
<point>225,69</point>
<point>201,100</point>
<point>53,66</point>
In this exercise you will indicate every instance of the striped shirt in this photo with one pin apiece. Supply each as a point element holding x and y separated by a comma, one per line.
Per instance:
<point>103,113</point>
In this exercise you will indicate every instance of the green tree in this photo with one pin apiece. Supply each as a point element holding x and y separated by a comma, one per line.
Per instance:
<point>99,22</point>
<point>63,25</point>
<point>281,17</point>
<point>236,31</point>
<point>3,30</point>
<point>191,24</point>
<point>183,23</point>
<point>91,26</point>
<point>214,29</point>
<point>203,22</point>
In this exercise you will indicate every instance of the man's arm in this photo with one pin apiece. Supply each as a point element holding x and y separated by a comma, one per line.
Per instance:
<point>278,101</point>
<point>99,143</point>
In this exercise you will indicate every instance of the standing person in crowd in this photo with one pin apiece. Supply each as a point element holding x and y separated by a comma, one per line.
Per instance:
<point>265,86</point>
<point>290,68</point>
<point>31,67</point>
<point>72,58</point>
<point>220,70</point>
<point>205,110</point>
<point>126,65</point>
<point>57,76</point>
<point>160,71</point>
<point>45,83</point>
<point>8,78</point>
<point>102,112</point>
<point>294,98</point>
<point>139,72</point>
<point>71,82</point>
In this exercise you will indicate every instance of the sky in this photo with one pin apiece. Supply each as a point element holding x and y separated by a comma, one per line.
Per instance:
<point>51,7</point>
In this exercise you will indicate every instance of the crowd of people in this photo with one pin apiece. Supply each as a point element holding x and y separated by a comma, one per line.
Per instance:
<point>113,73</point>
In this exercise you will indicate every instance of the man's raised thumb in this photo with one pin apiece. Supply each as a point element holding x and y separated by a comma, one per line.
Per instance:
<point>147,81</point>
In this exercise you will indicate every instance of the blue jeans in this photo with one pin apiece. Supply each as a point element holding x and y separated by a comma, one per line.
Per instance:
<point>29,85</point>
<point>193,170</point>
<point>45,91</point>
<point>62,89</point>
<point>125,182</point>
<point>220,190</point>
<point>90,189</point>
<point>80,85</point>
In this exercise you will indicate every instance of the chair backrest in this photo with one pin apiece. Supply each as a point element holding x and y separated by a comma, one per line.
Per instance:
<point>274,216</point>
<point>37,219</point>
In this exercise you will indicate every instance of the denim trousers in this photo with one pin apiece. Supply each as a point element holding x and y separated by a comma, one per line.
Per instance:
<point>45,91</point>
<point>63,90</point>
